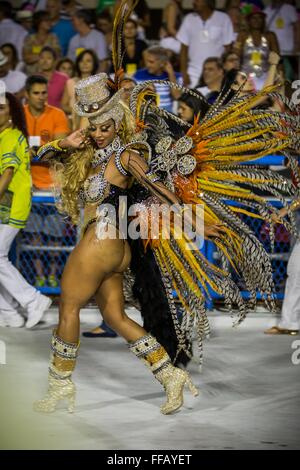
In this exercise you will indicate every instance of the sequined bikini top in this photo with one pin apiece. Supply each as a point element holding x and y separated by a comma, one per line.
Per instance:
<point>96,187</point>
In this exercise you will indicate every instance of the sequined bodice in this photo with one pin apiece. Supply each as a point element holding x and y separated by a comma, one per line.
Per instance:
<point>112,197</point>
<point>255,58</point>
<point>97,191</point>
<point>94,187</point>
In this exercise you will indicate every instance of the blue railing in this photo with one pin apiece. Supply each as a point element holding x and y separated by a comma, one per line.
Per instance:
<point>41,250</point>
<point>279,257</point>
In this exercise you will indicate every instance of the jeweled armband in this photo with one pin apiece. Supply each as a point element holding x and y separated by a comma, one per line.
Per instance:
<point>152,176</point>
<point>52,146</point>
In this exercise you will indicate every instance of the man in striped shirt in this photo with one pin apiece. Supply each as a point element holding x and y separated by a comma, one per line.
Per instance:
<point>158,67</point>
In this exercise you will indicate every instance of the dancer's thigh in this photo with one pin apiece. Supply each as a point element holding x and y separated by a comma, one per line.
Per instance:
<point>89,263</point>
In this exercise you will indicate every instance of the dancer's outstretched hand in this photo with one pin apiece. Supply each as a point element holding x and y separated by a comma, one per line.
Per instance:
<point>74,140</point>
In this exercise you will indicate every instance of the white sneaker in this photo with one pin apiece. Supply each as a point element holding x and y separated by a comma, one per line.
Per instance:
<point>37,310</point>
<point>13,320</point>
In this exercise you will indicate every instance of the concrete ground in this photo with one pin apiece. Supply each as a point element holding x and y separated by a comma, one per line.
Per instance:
<point>249,393</point>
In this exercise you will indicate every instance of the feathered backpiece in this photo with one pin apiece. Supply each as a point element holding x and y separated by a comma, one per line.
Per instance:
<point>207,163</point>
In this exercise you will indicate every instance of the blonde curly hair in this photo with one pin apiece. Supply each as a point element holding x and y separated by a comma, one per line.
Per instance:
<point>70,175</point>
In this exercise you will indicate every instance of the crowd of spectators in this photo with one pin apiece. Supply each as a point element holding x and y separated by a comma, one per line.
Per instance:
<point>64,42</point>
<point>218,47</point>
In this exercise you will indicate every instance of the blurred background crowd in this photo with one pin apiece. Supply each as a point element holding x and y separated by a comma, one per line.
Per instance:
<point>214,47</point>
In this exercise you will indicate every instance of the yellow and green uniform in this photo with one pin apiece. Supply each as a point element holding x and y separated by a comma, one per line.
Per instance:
<point>14,153</point>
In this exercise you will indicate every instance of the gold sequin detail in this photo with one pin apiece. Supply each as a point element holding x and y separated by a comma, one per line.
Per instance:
<point>156,356</point>
<point>174,379</point>
<point>64,364</point>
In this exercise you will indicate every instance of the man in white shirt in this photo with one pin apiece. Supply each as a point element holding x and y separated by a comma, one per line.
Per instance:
<point>10,31</point>
<point>282,19</point>
<point>14,80</point>
<point>204,33</point>
<point>212,76</point>
<point>87,38</point>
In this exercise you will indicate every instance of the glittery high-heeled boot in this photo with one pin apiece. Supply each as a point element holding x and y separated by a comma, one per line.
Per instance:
<point>61,387</point>
<point>172,378</point>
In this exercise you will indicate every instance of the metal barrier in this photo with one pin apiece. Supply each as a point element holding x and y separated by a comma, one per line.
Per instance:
<point>44,245</point>
<point>279,256</point>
